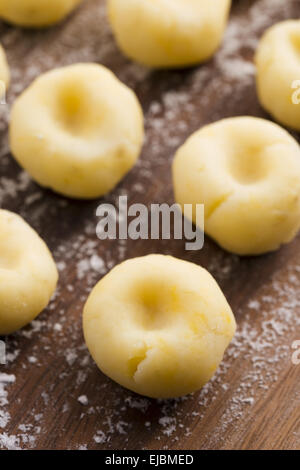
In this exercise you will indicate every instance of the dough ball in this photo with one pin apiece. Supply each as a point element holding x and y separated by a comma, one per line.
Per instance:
<point>77,130</point>
<point>278,72</point>
<point>4,73</point>
<point>158,326</point>
<point>169,33</point>
<point>28,275</point>
<point>246,172</point>
<point>35,13</point>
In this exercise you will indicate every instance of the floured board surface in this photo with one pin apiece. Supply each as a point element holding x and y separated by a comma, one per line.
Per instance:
<point>253,402</point>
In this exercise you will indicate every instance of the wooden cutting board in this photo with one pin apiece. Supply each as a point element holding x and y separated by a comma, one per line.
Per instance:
<point>52,395</point>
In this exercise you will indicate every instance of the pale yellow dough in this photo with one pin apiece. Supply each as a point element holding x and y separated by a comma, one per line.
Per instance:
<point>4,72</point>
<point>278,72</point>
<point>77,130</point>
<point>158,326</point>
<point>246,172</point>
<point>36,13</point>
<point>169,33</point>
<point>28,275</point>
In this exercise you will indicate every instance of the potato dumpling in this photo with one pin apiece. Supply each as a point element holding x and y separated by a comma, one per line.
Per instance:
<point>4,73</point>
<point>158,325</point>
<point>28,274</point>
<point>169,33</point>
<point>77,130</point>
<point>36,13</point>
<point>278,72</point>
<point>246,172</point>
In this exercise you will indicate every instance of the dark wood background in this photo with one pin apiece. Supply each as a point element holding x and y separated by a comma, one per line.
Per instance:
<point>253,402</point>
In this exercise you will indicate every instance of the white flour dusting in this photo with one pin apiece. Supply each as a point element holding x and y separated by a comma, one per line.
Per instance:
<point>169,117</point>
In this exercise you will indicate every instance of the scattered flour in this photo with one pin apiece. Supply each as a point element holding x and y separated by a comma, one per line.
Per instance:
<point>83,400</point>
<point>169,118</point>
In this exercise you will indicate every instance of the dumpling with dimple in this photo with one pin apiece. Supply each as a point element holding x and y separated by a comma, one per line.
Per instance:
<point>246,172</point>
<point>28,274</point>
<point>278,72</point>
<point>36,13</point>
<point>4,73</point>
<point>158,326</point>
<point>169,33</point>
<point>77,130</point>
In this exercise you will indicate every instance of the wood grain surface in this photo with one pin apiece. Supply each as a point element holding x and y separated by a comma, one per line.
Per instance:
<point>253,402</point>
